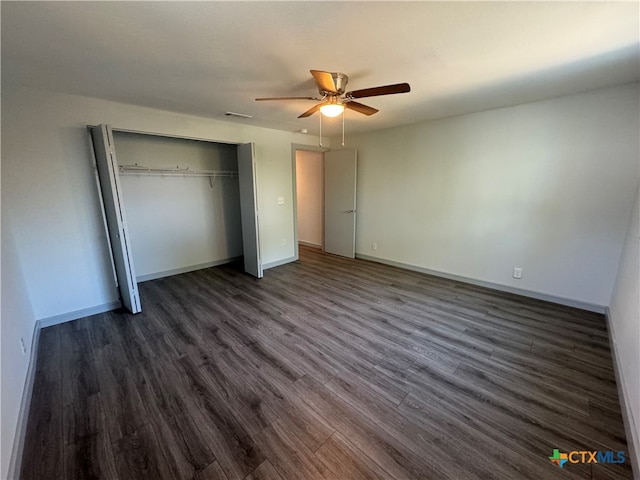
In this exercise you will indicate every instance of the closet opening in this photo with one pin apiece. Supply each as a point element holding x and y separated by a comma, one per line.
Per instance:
<point>174,205</point>
<point>182,203</point>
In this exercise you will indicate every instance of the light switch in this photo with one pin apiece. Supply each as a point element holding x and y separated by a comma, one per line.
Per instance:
<point>280,200</point>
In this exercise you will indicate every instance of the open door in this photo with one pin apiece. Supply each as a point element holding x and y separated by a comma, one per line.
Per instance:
<point>116,220</point>
<point>340,202</point>
<point>249,210</point>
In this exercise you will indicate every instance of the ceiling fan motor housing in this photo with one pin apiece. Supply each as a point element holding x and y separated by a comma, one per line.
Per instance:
<point>340,80</point>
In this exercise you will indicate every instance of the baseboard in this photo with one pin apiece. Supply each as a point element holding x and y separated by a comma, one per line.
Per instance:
<point>633,442</point>
<point>277,263</point>
<point>191,268</point>
<point>85,312</point>
<point>310,244</point>
<point>107,307</point>
<point>15,461</point>
<point>494,286</point>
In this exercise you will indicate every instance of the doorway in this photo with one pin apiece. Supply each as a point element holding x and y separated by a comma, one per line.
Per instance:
<point>310,197</point>
<point>325,196</point>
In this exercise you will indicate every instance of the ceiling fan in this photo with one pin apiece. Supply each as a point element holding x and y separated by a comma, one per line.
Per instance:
<point>334,100</point>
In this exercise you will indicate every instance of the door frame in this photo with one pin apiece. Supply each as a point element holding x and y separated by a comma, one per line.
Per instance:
<point>295,147</point>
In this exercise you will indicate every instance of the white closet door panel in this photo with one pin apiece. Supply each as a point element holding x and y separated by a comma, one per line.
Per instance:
<point>116,220</point>
<point>249,210</point>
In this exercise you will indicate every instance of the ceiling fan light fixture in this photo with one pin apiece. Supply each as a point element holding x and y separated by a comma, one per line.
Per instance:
<point>332,109</point>
<point>334,100</point>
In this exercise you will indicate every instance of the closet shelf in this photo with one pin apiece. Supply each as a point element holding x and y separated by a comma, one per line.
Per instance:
<point>142,170</point>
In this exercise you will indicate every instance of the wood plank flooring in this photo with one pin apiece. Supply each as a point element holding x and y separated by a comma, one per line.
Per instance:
<point>327,368</point>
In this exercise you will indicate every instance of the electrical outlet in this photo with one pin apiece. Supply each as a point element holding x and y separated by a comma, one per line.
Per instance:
<point>517,272</point>
<point>283,242</point>
<point>24,348</point>
<point>280,200</point>
<point>374,247</point>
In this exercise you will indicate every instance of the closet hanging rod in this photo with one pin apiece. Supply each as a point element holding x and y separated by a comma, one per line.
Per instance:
<point>139,169</point>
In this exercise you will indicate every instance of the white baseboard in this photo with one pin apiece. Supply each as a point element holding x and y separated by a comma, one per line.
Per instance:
<point>277,263</point>
<point>191,268</point>
<point>15,461</point>
<point>633,442</point>
<point>85,312</point>
<point>310,244</point>
<point>107,307</point>
<point>494,286</point>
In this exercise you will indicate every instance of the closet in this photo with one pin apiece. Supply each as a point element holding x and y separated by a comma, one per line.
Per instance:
<point>174,205</point>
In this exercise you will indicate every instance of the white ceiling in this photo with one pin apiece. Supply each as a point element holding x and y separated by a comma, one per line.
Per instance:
<point>206,58</point>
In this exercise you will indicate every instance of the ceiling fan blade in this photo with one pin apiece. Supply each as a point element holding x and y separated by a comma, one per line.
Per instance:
<point>324,80</point>
<point>377,91</point>
<point>285,98</point>
<point>312,110</point>
<point>360,108</point>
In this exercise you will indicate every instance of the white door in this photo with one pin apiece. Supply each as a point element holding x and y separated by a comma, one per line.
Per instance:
<point>116,220</point>
<point>340,202</point>
<point>249,210</point>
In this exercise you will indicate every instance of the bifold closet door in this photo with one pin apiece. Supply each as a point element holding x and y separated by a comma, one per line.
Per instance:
<point>340,202</point>
<point>249,210</point>
<point>116,221</point>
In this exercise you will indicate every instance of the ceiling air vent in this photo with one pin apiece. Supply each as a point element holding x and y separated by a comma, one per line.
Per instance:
<point>239,115</point>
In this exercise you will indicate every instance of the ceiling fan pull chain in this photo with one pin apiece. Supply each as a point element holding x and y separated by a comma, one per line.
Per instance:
<point>343,128</point>
<point>320,129</point>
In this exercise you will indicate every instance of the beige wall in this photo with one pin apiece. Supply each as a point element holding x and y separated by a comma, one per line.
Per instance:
<point>545,186</point>
<point>624,318</point>
<point>49,191</point>
<point>17,323</point>
<point>48,183</point>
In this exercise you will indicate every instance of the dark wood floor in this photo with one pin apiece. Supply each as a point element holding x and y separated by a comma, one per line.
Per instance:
<point>327,368</point>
